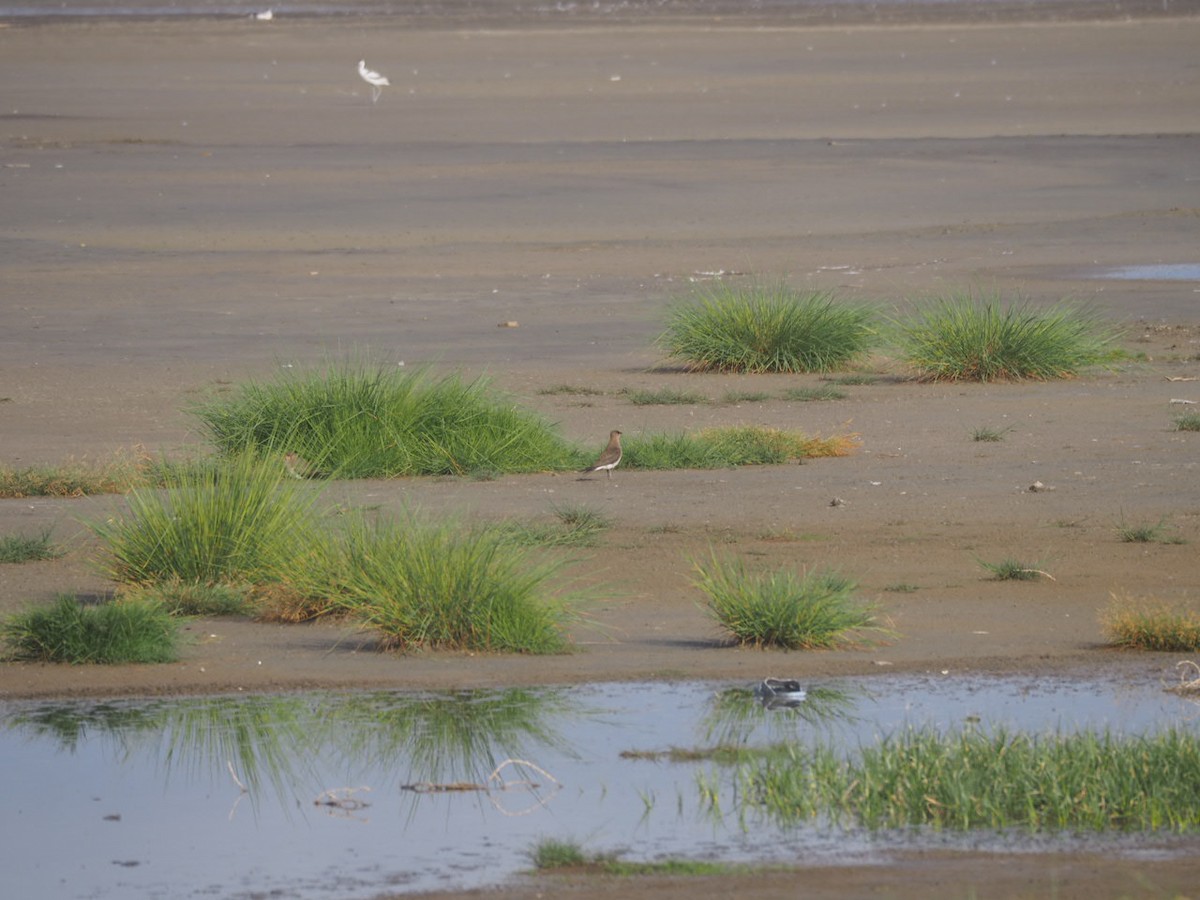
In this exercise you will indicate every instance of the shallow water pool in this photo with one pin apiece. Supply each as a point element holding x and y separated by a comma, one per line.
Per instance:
<point>352,795</point>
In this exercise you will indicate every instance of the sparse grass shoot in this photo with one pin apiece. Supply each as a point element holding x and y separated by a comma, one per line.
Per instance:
<point>775,328</point>
<point>570,390</point>
<point>19,548</point>
<point>1009,569</point>
<point>779,608</point>
<point>716,448</point>
<point>576,526</point>
<point>730,398</point>
<point>1143,623</point>
<point>820,393</point>
<point>69,632</point>
<point>1189,421</point>
<point>664,397</point>
<point>987,434</point>
<point>968,338</point>
<point>1145,533</point>
<point>855,379</point>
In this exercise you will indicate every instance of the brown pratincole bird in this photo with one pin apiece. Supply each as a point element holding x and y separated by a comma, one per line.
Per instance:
<point>610,457</point>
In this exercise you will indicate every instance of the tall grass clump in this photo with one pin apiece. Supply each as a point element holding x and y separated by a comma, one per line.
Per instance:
<point>968,338</point>
<point>67,631</point>
<point>765,329</point>
<point>361,422</point>
<point>221,524</point>
<point>816,610</point>
<point>999,780</point>
<point>425,584</point>
<point>1140,623</point>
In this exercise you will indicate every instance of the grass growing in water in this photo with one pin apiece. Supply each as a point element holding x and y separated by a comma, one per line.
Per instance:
<point>965,338</point>
<point>1140,623</point>
<point>359,422</point>
<point>974,779</point>
<point>715,448</point>
<point>422,584</point>
<point>556,854</point>
<point>217,524</point>
<point>70,632</point>
<point>551,854</point>
<point>765,329</point>
<point>783,609</point>
<point>19,548</point>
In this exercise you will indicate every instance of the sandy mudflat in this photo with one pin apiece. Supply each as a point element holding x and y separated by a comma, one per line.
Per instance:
<point>188,204</point>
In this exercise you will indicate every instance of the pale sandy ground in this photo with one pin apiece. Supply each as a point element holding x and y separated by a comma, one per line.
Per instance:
<point>185,205</point>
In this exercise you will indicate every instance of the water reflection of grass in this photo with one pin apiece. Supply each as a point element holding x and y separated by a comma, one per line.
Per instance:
<point>287,744</point>
<point>452,737</point>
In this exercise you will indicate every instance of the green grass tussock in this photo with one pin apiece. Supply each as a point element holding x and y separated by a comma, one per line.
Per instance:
<point>421,584</point>
<point>362,422</point>
<point>999,780</point>
<point>216,524</point>
<point>765,329</point>
<point>69,632</point>
<point>1143,623</point>
<point>968,338</point>
<point>816,610</point>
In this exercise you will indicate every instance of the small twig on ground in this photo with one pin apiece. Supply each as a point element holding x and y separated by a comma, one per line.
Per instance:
<point>1039,572</point>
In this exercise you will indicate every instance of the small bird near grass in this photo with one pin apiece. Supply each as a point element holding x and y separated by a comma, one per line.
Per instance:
<point>374,79</point>
<point>297,466</point>
<point>610,457</point>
